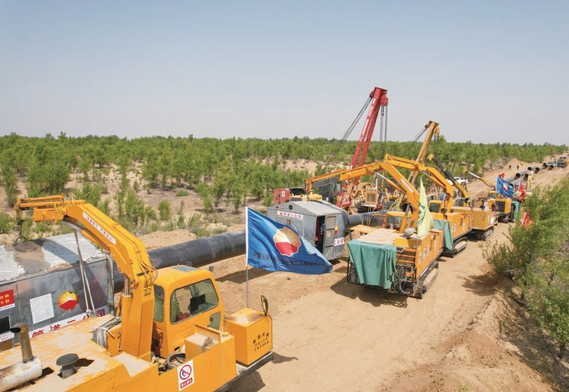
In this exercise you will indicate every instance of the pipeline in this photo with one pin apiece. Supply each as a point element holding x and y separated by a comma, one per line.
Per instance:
<point>200,251</point>
<point>192,253</point>
<point>210,249</point>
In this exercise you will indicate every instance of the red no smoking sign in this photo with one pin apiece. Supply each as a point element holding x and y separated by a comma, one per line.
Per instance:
<point>185,375</point>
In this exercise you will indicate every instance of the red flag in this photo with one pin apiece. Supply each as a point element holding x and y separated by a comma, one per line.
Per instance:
<point>526,220</point>
<point>501,175</point>
<point>522,192</point>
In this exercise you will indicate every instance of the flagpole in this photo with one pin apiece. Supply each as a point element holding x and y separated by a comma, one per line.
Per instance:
<point>247,254</point>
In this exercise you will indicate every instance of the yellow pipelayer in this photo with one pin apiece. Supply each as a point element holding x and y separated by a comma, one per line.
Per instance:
<point>172,333</point>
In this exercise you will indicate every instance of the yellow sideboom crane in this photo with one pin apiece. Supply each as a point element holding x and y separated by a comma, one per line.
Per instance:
<point>415,257</point>
<point>503,206</point>
<point>460,222</point>
<point>433,130</point>
<point>483,218</point>
<point>172,333</point>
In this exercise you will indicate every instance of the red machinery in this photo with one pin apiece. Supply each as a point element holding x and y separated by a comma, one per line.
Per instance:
<point>378,102</point>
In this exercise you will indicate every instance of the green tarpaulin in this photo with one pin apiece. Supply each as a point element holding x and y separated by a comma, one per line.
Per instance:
<point>447,235</point>
<point>516,205</point>
<point>375,263</point>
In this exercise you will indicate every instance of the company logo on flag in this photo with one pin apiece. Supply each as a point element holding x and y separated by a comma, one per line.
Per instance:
<point>504,187</point>
<point>274,246</point>
<point>287,241</point>
<point>426,222</point>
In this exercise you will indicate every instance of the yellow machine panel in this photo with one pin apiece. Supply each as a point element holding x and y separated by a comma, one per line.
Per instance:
<point>252,331</point>
<point>215,350</point>
<point>460,226</point>
<point>483,221</point>
<point>420,251</point>
<point>175,313</point>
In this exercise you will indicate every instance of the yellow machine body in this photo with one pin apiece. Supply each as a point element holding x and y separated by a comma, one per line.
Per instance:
<point>483,220</point>
<point>171,312</point>
<point>252,331</point>
<point>419,252</point>
<point>460,220</point>
<point>416,259</point>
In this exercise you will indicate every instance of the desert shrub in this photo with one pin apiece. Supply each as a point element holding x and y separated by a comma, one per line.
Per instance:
<point>6,223</point>
<point>164,210</point>
<point>537,258</point>
<point>182,193</point>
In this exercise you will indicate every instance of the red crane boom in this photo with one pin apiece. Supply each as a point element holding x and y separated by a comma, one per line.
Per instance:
<point>378,103</point>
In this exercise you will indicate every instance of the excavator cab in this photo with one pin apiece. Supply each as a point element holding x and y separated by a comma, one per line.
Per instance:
<point>435,205</point>
<point>184,296</point>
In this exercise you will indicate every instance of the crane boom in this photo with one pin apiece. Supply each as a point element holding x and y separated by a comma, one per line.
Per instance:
<point>462,190</point>
<point>126,250</point>
<point>432,129</point>
<point>379,102</point>
<point>436,177</point>
<point>404,185</point>
<point>466,171</point>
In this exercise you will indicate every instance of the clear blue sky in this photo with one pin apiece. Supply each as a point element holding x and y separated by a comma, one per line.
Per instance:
<point>487,71</point>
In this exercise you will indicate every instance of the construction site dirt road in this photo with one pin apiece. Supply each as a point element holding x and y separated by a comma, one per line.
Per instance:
<point>467,334</point>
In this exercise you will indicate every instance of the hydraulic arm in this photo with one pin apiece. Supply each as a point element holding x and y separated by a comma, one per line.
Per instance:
<point>128,252</point>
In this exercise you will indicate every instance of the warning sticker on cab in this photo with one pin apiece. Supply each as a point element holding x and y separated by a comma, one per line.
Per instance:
<point>338,241</point>
<point>185,375</point>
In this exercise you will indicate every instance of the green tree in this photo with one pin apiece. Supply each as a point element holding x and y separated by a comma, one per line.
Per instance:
<point>204,191</point>
<point>90,193</point>
<point>164,210</point>
<point>134,208</point>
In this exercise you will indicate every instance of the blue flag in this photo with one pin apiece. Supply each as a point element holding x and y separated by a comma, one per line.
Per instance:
<point>504,187</point>
<point>276,247</point>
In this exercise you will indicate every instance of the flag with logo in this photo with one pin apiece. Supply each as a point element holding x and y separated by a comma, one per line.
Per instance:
<point>526,221</point>
<point>274,246</point>
<point>504,187</point>
<point>522,192</point>
<point>425,218</point>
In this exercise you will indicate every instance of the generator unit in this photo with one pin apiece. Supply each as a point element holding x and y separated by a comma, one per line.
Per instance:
<point>321,223</point>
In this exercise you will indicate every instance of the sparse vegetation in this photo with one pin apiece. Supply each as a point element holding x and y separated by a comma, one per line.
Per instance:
<point>537,258</point>
<point>6,223</point>
<point>164,210</point>
<point>224,173</point>
<point>182,193</point>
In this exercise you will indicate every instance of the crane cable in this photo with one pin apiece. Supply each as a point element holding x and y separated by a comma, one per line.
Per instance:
<point>416,138</point>
<point>347,133</point>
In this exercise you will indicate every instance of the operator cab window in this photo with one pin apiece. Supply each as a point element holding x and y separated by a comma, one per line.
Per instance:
<point>377,221</point>
<point>158,303</point>
<point>393,222</point>
<point>192,300</point>
<point>435,207</point>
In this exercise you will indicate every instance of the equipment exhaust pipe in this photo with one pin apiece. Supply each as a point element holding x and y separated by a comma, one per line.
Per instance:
<point>25,344</point>
<point>21,372</point>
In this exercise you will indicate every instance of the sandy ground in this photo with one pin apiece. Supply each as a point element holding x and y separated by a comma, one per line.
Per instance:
<point>467,334</point>
<point>333,336</point>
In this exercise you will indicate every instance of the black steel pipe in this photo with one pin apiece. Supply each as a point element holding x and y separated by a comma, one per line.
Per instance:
<point>200,251</point>
<point>206,250</point>
<point>209,249</point>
